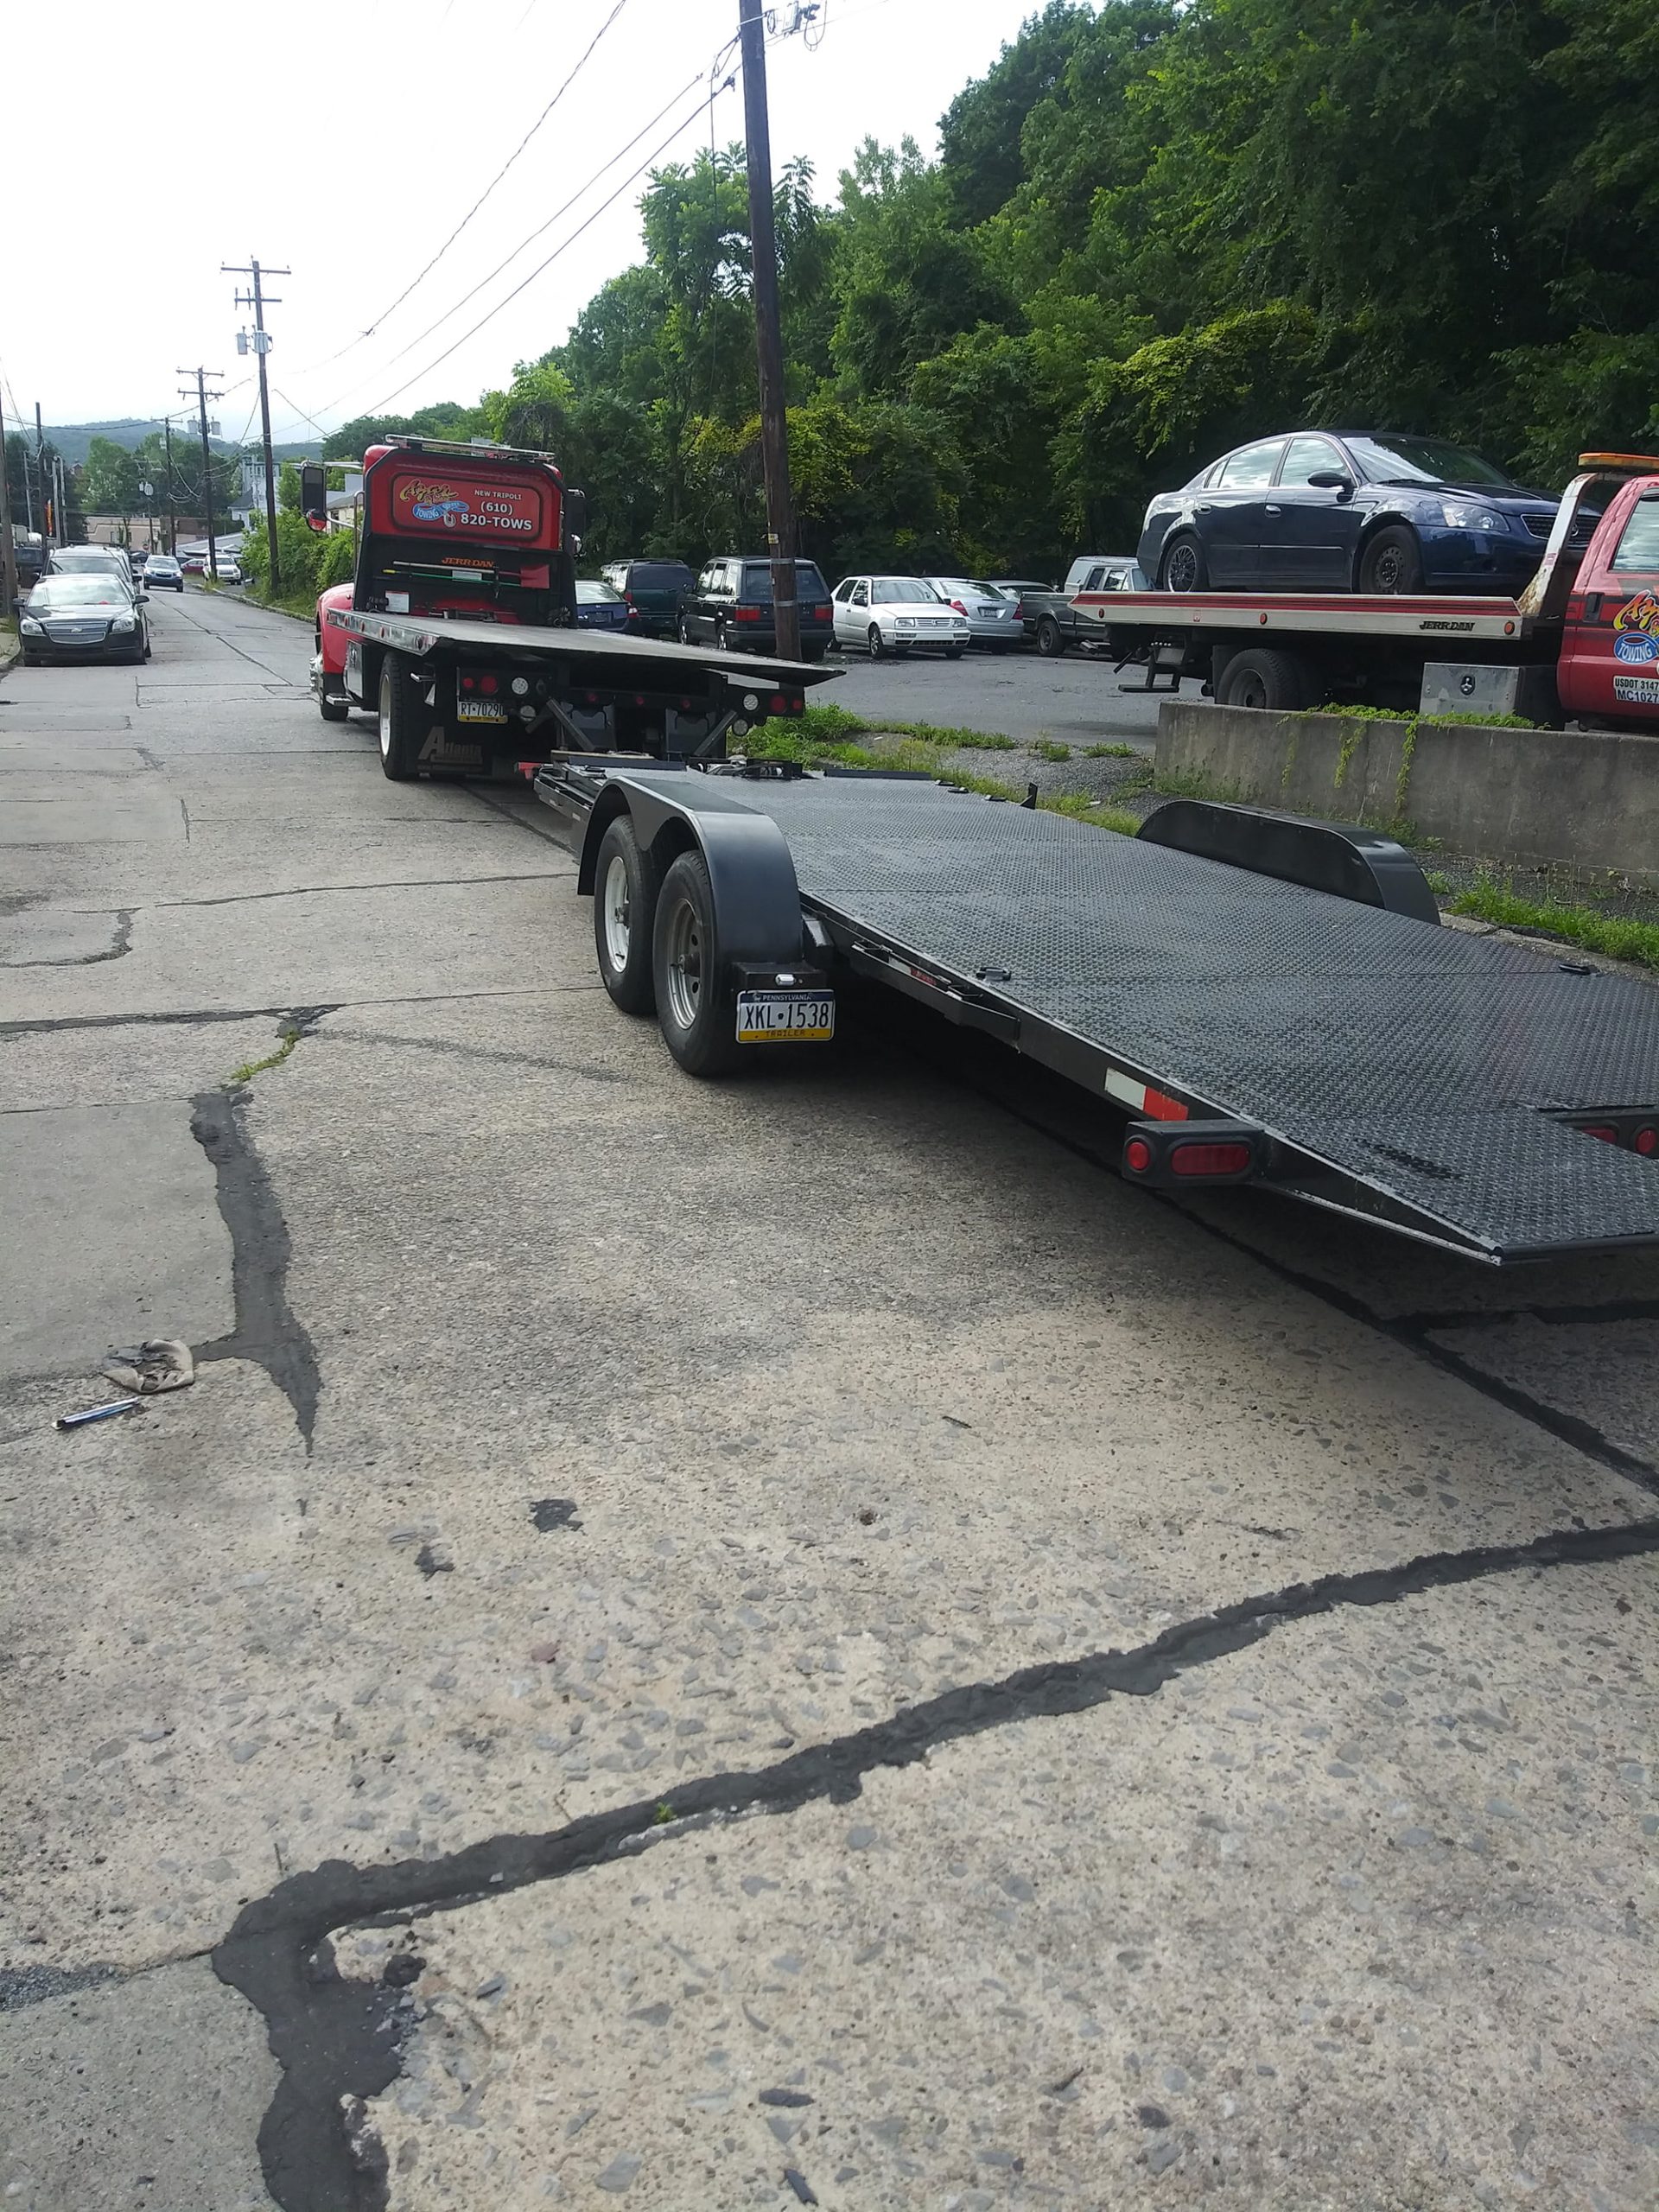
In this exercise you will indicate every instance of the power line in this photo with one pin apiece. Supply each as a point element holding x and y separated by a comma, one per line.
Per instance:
<point>539,231</point>
<point>586,224</point>
<point>482,197</point>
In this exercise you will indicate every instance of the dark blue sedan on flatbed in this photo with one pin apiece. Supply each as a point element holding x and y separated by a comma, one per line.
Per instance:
<point>1330,510</point>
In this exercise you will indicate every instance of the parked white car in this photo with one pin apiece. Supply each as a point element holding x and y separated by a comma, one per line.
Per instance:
<point>895,615</point>
<point>993,619</point>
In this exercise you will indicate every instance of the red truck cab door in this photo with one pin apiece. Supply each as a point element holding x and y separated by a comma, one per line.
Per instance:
<point>1609,647</point>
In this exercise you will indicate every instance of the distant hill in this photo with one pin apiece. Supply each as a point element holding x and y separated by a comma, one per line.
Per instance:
<point>73,440</point>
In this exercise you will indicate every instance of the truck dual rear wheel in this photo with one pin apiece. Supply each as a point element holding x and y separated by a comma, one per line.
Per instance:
<point>1262,678</point>
<point>625,889</point>
<point>697,1017</point>
<point>400,737</point>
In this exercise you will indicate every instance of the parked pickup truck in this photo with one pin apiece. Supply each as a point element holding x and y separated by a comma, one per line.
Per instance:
<point>1052,621</point>
<point>1580,643</point>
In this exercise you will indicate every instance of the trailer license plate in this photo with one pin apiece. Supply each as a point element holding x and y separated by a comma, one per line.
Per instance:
<point>785,1017</point>
<point>479,710</point>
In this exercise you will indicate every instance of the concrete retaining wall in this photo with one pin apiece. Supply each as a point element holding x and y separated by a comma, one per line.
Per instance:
<point>1584,800</point>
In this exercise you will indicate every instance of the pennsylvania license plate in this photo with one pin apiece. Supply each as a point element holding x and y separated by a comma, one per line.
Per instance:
<point>479,710</point>
<point>785,1017</point>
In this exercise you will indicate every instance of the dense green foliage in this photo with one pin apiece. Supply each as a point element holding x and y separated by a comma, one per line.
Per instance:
<point>108,481</point>
<point>1155,227</point>
<point>310,561</point>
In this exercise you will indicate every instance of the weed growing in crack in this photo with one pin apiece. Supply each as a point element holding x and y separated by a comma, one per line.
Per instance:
<point>249,1069</point>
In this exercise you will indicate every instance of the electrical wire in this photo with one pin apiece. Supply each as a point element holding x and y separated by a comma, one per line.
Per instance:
<point>328,407</point>
<point>425,272</point>
<point>683,124</point>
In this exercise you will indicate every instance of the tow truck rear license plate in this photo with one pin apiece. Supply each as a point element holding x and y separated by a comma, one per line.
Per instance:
<point>479,710</point>
<point>785,1017</point>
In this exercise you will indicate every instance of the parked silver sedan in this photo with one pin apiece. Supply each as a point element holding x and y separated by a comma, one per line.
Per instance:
<point>992,615</point>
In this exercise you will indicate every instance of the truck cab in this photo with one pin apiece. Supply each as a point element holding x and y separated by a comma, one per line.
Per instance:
<point>1609,668</point>
<point>476,533</point>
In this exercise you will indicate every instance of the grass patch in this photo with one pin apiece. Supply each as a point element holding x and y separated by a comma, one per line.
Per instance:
<point>301,604</point>
<point>1606,934</point>
<point>249,1069</point>
<point>1111,752</point>
<point>1046,749</point>
<point>839,726</point>
<point>1479,721</point>
<point>794,740</point>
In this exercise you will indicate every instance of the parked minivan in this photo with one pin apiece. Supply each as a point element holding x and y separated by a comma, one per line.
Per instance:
<point>653,590</point>
<point>732,606</point>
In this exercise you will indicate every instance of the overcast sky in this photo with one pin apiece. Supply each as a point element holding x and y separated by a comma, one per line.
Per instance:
<point>347,138</point>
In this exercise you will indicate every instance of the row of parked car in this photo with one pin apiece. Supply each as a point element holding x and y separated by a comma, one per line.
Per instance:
<point>730,604</point>
<point>89,605</point>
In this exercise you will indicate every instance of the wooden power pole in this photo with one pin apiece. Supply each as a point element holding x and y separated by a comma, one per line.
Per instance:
<point>200,397</point>
<point>768,338</point>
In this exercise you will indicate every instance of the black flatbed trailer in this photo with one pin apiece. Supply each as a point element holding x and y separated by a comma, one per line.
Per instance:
<point>1332,1043</point>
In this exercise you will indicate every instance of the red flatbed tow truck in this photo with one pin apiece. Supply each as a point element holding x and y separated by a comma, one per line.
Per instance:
<point>1582,639</point>
<point>459,633</point>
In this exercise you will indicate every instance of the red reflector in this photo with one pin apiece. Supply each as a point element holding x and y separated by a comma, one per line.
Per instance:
<point>465,682</point>
<point>777,704</point>
<point>486,685</point>
<point>1210,1159</point>
<point>1599,1131</point>
<point>1160,1107</point>
<point>1646,1141</point>
<point>1137,1156</point>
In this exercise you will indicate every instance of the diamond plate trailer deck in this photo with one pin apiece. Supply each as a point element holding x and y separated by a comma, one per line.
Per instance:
<point>1434,1082</point>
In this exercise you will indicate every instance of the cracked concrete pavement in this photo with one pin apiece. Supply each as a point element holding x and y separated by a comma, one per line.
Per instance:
<point>784,1643</point>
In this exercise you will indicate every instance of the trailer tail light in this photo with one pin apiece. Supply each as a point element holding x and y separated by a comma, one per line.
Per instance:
<point>1166,1154</point>
<point>1637,1132</point>
<point>488,686</point>
<point>1206,1162</point>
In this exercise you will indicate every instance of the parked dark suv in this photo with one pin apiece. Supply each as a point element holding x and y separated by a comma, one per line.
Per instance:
<point>653,590</point>
<point>732,606</point>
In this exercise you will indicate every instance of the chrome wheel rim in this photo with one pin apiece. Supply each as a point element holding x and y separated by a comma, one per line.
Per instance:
<point>684,964</point>
<point>615,911</point>
<point>385,720</point>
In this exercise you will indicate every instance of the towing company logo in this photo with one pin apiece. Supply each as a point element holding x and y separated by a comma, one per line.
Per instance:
<point>1637,622</point>
<point>496,510</point>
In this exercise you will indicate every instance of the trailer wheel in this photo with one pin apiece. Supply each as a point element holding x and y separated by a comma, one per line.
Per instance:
<point>698,1022</point>
<point>1392,562</point>
<point>1262,678</point>
<point>626,887</point>
<point>399,739</point>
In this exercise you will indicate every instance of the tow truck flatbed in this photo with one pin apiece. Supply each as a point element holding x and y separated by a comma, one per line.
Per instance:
<point>1332,613</point>
<point>1437,1084</point>
<point>650,661</point>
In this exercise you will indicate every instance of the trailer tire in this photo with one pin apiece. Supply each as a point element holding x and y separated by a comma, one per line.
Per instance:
<point>1050,641</point>
<point>626,882</point>
<point>1391,562</point>
<point>400,740</point>
<point>1279,682</point>
<point>697,1020</point>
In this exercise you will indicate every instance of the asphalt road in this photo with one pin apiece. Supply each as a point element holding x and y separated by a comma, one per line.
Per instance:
<point>784,1643</point>
<point>1077,700</point>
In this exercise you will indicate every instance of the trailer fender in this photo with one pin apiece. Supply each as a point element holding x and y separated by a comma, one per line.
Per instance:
<point>757,897</point>
<point>1338,857</point>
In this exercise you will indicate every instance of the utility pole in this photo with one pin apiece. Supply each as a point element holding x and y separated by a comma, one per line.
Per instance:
<point>172,518</point>
<point>8,550</point>
<point>201,376</point>
<point>768,338</point>
<point>256,300</point>
<point>47,516</point>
